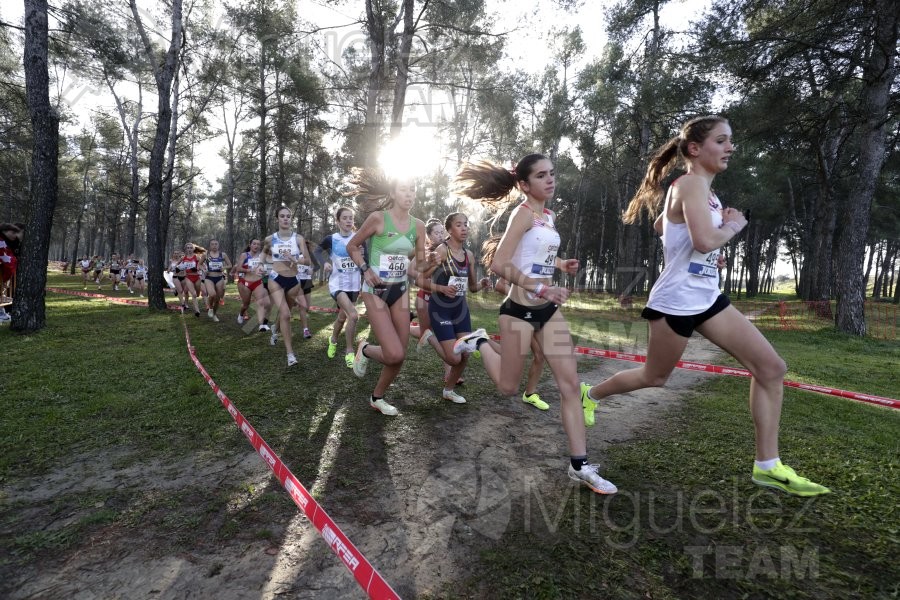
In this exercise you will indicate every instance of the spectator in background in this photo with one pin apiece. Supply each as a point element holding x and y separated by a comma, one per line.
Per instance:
<point>10,240</point>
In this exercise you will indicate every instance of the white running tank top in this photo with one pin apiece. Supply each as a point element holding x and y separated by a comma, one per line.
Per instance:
<point>689,282</point>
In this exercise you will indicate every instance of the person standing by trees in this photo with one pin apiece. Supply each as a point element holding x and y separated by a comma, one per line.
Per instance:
<point>396,235</point>
<point>526,257</point>
<point>686,296</point>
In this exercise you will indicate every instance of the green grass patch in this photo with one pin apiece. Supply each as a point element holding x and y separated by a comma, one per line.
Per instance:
<point>106,379</point>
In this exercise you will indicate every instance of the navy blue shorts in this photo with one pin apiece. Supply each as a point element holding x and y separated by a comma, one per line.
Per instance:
<point>286,282</point>
<point>352,296</point>
<point>537,316</point>
<point>449,319</point>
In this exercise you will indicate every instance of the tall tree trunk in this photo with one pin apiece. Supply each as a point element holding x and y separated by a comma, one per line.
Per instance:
<point>165,209</point>
<point>29,310</point>
<point>878,77</point>
<point>163,73</point>
<point>378,42</point>
<point>262,217</point>
<point>402,62</point>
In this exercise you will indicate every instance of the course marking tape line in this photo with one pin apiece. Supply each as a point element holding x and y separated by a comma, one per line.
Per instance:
<point>369,579</point>
<point>631,357</point>
<point>737,372</point>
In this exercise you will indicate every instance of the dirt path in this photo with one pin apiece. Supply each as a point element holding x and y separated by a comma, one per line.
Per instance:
<point>421,523</point>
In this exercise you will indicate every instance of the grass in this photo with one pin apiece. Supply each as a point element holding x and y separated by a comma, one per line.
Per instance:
<point>106,380</point>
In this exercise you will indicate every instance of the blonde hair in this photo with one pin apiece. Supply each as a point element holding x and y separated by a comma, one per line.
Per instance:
<point>649,195</point>
<point>372,188</point>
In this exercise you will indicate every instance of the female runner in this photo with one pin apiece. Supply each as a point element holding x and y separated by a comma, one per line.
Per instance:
<point>217,264</point>
<point>686,296</point>
<point>288,251</point>
<point>344,283</point>
<point>396,236</point>
<point>526,256</point>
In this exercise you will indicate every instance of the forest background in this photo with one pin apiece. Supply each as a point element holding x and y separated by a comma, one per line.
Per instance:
<point>187,120</point>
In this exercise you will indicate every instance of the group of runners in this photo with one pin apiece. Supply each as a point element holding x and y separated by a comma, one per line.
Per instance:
<point>377,261</point>
<point>131,271</point>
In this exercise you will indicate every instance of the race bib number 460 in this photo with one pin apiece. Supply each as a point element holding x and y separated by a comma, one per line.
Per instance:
<point>704,265</point>
<point>393,266</point>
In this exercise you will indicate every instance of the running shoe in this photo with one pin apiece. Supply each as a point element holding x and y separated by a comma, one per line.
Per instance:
<point>452,396</point>
<point>215,318</point>
<point>265,327</point>
<point>383,407</point>
<point>349,360</point>
<point>273,339</point>
<point>588,405</point>
<point>784,478</point>
<point>361,362</point>
<point>469,343</point>
<point>306,333</point>
<point>423,340</point>
<point>332,348</point>
<point>292,360</point>
<point>4,317</point>
<point>589,477</point>
<point>240,319</point>
<point>210,313</point>
<point>535,401</point>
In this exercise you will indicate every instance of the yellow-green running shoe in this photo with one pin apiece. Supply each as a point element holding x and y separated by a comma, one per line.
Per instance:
<point>332,348</point>
<point>349,359</point>
<point>588,405</point>
<point>784,478</point>
<point>535,401</point>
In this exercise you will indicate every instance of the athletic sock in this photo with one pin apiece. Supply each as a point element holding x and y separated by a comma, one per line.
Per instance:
<point>578,462</point>
<point>363,352</point>
<point>480,342</point>
<point>591,397</point>
<point>377,398</point>
<point>765,465</point>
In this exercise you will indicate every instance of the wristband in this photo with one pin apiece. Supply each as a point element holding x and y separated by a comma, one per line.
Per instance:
<point>363,267</point>
<point>732,226</point>
<point>540,290</point>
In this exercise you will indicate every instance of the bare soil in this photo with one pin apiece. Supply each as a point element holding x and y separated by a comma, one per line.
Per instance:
<point>422,519</point>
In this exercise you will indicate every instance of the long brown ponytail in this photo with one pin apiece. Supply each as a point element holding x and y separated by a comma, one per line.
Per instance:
<point>649,195</point>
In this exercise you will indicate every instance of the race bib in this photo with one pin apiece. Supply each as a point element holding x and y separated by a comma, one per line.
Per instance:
<point>460,283</point>
<point>393,266</point>
<point>545,260</point>
<point>346,265</point>
<point>304,272</point>
<point>704,265</point>
<point>216,264</point>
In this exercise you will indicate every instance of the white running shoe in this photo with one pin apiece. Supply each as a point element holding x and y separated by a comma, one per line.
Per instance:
<point>589,477</point>
<point>423,340</point>
<point>452,396</point>
<point>469,343</point>
<point>273,339</point>
<point>215,318</point>
<point>240,319</point>
<point>265,327</point>
<point>383,407</point>
<point>306,333</point>
<point>361,363</point>
<point>210,313</point>
<point>292,360</point>
<point>4,317</point>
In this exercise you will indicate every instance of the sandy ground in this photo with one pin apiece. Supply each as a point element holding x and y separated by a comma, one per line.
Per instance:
<point>421,523</point>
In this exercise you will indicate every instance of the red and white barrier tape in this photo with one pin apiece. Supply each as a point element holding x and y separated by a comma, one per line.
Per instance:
<point>366,575</point>
<point>638,358</point>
